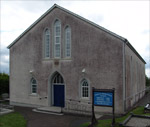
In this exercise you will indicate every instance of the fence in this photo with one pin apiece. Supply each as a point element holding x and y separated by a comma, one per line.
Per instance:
<point>78,107</point>
<point>85,108</point>
<point>134,98</point>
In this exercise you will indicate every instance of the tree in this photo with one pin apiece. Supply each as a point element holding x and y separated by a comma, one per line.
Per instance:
<point>4,83</point>
<point>147,81</point>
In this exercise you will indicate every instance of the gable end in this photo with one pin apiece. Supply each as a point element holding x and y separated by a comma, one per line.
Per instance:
<point>81,18</point>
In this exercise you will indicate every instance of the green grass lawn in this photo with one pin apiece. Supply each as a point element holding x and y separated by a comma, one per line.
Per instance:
<point>12,120</point>
<point>107,122</point>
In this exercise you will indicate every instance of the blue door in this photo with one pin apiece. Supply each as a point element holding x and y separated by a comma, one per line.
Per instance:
<point>59,95</point>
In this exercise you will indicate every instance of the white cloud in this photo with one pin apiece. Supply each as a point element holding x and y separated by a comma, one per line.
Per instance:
<point>129,19</point>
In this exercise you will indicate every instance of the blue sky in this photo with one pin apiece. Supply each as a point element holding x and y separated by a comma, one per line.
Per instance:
<point>129,19</point>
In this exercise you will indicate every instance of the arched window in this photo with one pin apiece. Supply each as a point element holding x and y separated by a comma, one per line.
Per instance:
<point>57,79</point>
<point>33,86</point>
<point>47,43</point>
<point>57,39</point>
<point>67,42</point>
<point>85,89</point>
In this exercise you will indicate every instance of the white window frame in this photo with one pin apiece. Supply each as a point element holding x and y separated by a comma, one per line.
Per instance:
<point>45,43</point>
<point>81,87</point>
<point>57,36</point>
<point>31,86</point>
<point>67,31</point>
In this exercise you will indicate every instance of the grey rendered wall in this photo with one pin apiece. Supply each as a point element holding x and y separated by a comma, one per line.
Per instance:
<point>135,78</point>
<point>93,49</point>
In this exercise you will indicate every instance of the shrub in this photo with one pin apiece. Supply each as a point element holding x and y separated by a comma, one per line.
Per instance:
<point>4,83</point>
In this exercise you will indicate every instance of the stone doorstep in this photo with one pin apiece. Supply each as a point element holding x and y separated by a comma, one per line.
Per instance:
<point>49,110</point>
<point>56,111</point>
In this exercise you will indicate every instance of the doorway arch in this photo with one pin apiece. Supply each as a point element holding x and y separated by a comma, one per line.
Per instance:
<point>58,90</point>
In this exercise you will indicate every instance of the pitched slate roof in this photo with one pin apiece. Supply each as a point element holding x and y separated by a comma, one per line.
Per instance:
<point>78,16</point>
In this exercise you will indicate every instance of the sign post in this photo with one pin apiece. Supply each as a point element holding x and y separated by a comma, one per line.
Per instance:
<point>113,121</point>
<point>94,121</point>
<point>103,97</point>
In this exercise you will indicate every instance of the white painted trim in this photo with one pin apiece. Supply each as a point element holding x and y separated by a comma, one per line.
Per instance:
<point>50,88</point>
<point>80,90</point>
<point>55,39</point>
<point>31,93</point>
<point>62,59</point>
<point>45,43</point>
<point>124,77</point>
<point>65,41</point>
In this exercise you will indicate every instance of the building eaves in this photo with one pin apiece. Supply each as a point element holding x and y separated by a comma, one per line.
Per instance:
<point>31,26</point>
<point>92,23</point>
<point>133,49</point>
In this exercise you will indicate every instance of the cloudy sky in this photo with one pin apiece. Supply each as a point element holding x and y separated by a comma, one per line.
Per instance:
<point>129,19</point>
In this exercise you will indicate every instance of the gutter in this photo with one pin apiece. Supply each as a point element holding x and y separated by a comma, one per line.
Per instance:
<point>124,77</point>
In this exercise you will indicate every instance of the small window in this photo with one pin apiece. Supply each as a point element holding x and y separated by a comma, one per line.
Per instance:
<point>57,39</point>
<point>47,43</point>
<point>67,42</point>
<point>33,86</point>
<point>84,89</point>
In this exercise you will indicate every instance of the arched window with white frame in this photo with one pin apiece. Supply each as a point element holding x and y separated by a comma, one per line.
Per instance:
<point>67,42</point>
<point>57,39</point>
<point>33,86</point>
<point>85,90</point>
<point>47,43</point>
<point>58,79</point>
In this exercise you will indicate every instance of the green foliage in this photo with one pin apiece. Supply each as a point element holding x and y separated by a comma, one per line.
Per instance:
<point>147,81</point>
<point>4,83</point>
<point>12,120</point>
<point>107,122</point>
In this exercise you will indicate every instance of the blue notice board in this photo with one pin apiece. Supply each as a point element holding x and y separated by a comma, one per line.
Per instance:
<point>102,98</point>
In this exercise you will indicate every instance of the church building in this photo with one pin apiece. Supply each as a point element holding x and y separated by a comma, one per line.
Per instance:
<point>61,56</point>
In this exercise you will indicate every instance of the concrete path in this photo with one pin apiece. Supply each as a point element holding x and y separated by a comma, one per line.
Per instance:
<point>35,119</point>
<point>144,100</point>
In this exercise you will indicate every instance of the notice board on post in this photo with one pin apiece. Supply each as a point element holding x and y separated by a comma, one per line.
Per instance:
<point>103,98</point>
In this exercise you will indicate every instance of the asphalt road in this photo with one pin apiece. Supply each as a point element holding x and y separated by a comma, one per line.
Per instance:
<point>35,119</point>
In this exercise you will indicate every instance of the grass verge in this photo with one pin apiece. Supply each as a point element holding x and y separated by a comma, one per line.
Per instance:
<point>12,120</point>
<point>107,122</point>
